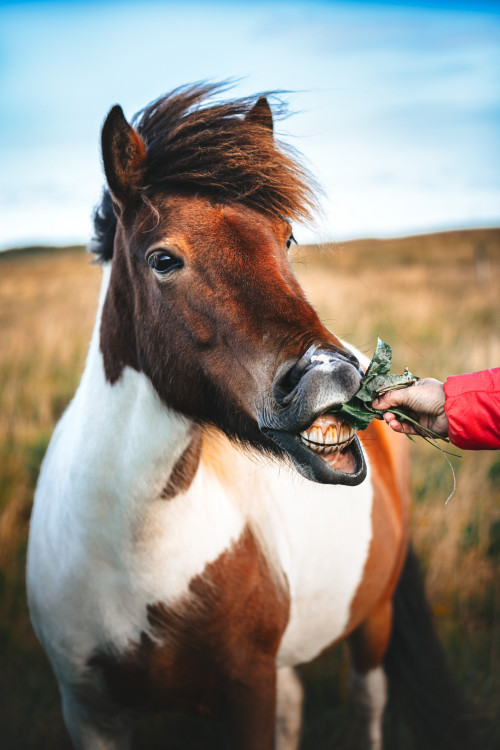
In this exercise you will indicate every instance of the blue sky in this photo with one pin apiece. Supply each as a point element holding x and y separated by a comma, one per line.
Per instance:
<point>397,105</point>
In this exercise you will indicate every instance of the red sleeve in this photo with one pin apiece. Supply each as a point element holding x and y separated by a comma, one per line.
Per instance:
<point>472,407</point>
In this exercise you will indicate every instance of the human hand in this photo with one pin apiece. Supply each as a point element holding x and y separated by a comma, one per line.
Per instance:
<point>423,401</point>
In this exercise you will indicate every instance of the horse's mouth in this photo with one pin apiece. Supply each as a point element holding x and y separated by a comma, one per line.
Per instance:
<point>330,438</point>
<point>328,451</point>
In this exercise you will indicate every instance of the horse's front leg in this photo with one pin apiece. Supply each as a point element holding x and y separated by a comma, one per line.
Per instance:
<point>251,707</point>
<point>290,697</point>
<point>368,682</point>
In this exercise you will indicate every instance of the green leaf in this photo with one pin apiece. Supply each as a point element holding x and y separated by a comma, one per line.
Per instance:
<point>381,360</point>
<point>356,414</point>
<point>358,411</point>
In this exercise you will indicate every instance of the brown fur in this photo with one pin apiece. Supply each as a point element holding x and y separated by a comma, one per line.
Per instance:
<point>203,334</point>
<point>124,155</point>
<point>214,652</point>
<point>224,150</point>
<point>185,469</point>
<point>221,150</point>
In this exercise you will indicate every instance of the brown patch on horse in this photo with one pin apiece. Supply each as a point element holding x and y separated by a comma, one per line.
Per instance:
<point>185,469</point>
<point>213,651</point>
<point>371,611</point>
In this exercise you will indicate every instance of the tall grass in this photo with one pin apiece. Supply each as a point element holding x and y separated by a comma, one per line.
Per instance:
<point>433,298</point>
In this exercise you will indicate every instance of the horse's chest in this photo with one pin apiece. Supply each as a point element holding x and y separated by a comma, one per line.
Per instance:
<point>329,532</point>
<point>232,614</point>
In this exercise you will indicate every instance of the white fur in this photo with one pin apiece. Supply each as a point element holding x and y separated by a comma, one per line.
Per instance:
<point>290,697</point>
<point>369,692</point>
<point>104,544</point>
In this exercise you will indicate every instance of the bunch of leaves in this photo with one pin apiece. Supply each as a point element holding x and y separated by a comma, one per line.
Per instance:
<point>358,411</point>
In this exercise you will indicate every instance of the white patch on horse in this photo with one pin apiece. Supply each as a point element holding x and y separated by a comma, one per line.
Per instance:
<point>328,530</point>
<point>102,539</point>
<point>324,358</point>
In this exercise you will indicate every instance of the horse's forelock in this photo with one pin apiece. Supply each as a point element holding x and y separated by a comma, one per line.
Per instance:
<point>196,143</point>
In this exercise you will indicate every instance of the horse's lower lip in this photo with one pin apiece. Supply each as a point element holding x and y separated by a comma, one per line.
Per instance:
<point>322,468</point>
<point>338,457</point>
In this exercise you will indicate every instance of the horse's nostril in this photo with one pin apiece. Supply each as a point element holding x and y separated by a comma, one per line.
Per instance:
<point>353,360</point>
<point>285,382</point>
<point>301,366</point>
<point>289,375</point>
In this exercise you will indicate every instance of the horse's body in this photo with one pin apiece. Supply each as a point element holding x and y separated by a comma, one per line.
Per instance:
<point>177,559</point>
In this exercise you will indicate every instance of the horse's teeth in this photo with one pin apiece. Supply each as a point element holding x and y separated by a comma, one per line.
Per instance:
<point>333,441</point>
<point>316,435</point>
<point>331,437</point>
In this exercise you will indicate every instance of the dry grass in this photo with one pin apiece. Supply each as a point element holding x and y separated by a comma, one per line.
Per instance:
<point>47,306</point>
<point>434,299</point>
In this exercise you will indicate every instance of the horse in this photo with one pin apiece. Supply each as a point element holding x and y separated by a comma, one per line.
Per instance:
<point>203,522</point>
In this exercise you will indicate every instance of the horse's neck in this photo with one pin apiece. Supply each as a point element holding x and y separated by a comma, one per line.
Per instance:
<point>123,441</point>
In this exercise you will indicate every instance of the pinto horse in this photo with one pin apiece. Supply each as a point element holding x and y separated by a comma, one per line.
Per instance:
<point>203,522</point>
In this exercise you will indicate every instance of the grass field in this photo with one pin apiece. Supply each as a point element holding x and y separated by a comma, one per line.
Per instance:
<point>434,298</point>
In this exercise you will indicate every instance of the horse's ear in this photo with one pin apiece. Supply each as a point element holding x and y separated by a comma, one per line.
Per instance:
<point>261,114</point>
<point>123,155</point>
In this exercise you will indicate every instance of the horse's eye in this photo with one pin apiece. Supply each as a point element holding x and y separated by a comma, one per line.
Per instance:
<point>289,241</point>
<point>162,262</point>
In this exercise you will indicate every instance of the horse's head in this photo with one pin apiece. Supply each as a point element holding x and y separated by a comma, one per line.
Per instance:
<point>202,296</point>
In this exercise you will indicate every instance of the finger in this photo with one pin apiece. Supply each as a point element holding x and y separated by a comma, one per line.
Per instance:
<point>386,400</point>
<point>395,425</point>
<point>392,421</point>
<point>398,426</point>
<point>402,427</point>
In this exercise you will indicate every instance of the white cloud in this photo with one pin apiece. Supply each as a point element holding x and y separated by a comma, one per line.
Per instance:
<point>399,108</point>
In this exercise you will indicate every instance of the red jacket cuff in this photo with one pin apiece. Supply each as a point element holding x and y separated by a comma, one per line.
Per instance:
<point>472,407</point>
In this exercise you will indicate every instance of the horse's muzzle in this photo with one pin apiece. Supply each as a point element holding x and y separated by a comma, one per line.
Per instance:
<point>313,387</point>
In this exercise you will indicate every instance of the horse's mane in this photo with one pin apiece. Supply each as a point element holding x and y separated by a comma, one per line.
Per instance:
<point>194,143</point>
